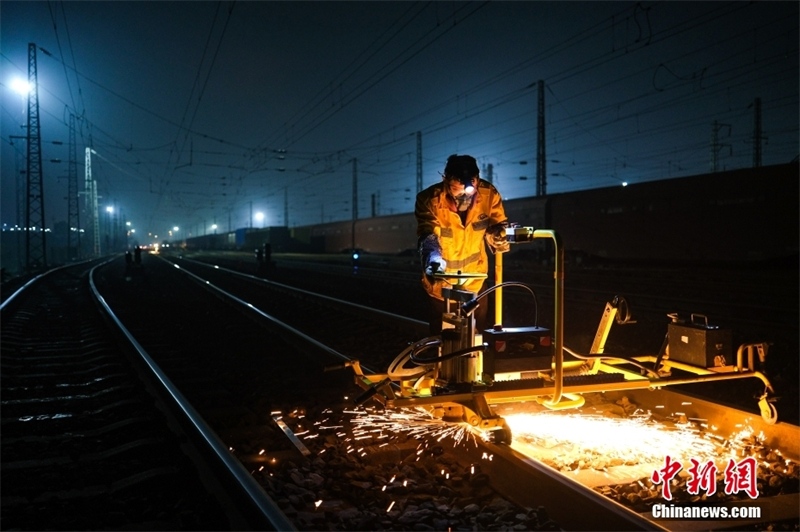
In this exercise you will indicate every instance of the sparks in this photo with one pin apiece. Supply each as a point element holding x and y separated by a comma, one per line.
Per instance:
<point>570,441</point>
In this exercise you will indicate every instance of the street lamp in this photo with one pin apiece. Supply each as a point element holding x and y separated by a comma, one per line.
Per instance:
<point>20,86</point>
<point>260,218</point>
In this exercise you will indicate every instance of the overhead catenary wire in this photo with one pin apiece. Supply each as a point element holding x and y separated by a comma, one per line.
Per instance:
<point>377,150</point>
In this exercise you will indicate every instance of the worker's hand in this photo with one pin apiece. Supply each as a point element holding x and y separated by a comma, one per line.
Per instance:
<point>436,264</point>
<point>497,240</point>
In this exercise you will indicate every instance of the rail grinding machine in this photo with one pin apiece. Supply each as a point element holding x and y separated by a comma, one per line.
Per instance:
<point>457,376</point>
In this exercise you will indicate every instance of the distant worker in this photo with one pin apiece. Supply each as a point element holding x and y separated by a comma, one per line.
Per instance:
<point>260,268</point>
<point>137,255</point>
<point>454,218</point>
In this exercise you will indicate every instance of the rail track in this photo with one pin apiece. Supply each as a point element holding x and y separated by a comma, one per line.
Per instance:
<point>255,375</point>
<point>756,305</point>
<point>378,356</point>
<point>94,437</point>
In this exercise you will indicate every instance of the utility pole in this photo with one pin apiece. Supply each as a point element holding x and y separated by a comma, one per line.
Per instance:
<point>758,135</point>
<point>541,164</point>
<point>35,235</point>
<point>73,209</point>
<point>716,146</point>
<point>355,202</point>
<point>489,171</point>
<point>90,190</point>
<point>21,180</point>
<point>419,162</point>
<point>286,207</point>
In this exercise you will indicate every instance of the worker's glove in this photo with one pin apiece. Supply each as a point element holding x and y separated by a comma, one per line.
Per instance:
<point>436,264</point>
<point>496,238</point>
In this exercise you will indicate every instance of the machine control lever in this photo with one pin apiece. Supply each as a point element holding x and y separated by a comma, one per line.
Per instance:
<point>372,390</point>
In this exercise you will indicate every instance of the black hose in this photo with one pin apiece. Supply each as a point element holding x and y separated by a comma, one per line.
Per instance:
<point>448,356</point>
<point>514,283</point>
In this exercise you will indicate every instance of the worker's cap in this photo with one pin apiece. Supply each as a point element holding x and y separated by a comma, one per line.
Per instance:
<point>462,168</point>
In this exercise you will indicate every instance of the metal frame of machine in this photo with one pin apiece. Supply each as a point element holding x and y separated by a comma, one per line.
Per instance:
<point>452,386</point>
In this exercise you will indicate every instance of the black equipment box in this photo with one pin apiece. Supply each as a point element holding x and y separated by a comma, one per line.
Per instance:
<point>517,350</point>
<point>700,344</point>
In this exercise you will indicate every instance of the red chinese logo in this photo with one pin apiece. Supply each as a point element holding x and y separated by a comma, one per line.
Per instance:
<point>738,477</point>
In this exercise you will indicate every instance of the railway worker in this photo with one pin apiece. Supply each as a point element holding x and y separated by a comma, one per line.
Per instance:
<point>454,219</point>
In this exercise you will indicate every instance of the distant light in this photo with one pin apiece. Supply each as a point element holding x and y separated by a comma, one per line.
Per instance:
<point>175,228</point>
<point>109,209</point>
<point>624,183</point>
<point>20,86</point>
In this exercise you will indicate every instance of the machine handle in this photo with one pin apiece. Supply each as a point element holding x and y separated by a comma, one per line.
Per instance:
<point>705,320</point>
<point>372,390</point>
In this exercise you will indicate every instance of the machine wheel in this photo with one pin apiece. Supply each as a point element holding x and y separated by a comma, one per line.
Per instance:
<point>500,435</point>
<point>768,412</point>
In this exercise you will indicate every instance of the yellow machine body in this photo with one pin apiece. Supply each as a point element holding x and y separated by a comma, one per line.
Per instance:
<point>456,388</point>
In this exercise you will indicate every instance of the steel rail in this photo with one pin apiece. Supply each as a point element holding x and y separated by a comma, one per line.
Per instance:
<point>509,470</point>
<point>263,511</point>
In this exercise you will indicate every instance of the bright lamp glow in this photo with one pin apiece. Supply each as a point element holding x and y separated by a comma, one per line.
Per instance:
<point>21,86</point>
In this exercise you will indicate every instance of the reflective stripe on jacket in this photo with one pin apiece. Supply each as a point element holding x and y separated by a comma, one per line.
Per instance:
<point>462,244</point>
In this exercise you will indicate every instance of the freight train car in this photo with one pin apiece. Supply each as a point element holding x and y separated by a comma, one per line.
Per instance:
<point>741,215</point>
<point>280,239</point>
<point>725,217</point>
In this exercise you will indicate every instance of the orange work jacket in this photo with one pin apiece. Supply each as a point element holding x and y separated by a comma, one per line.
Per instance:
<point>461,243</point>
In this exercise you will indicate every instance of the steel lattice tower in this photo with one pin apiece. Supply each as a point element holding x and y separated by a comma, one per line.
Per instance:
<point>73,208</point>
<point>35,236</point>
<point>419,162</point>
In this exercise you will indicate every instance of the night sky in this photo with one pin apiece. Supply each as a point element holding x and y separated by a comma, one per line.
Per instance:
<point>208,112</point>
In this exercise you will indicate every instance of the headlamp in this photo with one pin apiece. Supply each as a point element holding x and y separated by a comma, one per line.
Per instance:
<point>469,187</point>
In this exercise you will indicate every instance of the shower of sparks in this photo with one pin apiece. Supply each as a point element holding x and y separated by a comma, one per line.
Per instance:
<point>368,424</point>
<point>597,441</point>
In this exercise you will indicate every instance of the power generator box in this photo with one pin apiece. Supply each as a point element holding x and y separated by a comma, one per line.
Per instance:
<point>700,344</point>
<point>517,350</point>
